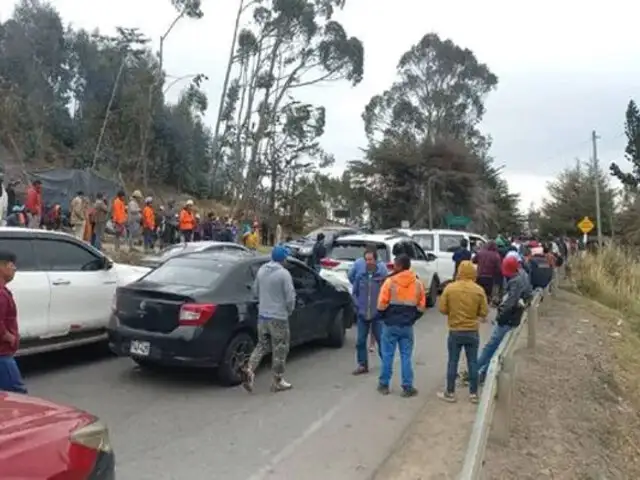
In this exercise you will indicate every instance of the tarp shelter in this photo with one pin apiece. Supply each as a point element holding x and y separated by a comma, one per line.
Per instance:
<point>60,185</point>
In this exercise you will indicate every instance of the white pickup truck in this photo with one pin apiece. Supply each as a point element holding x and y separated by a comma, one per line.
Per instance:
<point>63,288</point>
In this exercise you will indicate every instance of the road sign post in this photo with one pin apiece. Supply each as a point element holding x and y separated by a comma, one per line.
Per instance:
<point>585,226</point>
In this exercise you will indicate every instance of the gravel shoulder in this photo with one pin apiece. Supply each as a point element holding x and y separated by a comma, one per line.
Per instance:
<point>576,407</point>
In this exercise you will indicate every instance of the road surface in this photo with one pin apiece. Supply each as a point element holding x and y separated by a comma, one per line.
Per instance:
<point>180,425</point>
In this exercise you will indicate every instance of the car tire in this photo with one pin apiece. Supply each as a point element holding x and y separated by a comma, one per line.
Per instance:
<point>337,331</point>
<point>432,298</point>
<point>234,358</point>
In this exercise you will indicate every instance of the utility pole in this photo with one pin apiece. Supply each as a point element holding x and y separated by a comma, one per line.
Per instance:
<point>596,168</point>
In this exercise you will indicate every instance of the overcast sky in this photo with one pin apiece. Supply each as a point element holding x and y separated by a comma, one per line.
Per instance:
<point>565,68</point>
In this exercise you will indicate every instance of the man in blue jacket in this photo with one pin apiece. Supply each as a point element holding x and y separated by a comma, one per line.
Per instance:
<point>366,288</point>
<point>360,265</point>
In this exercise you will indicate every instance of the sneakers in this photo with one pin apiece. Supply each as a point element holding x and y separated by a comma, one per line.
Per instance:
<point>247,379</point>
<point>361,370</point>
<point>408,392</point>
<point>280,385</point>
<point>383,389</point>
<point>473,398</point>
<point>447,397</point>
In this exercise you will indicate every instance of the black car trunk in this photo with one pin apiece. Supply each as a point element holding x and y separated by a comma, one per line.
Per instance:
<point>150,309</point>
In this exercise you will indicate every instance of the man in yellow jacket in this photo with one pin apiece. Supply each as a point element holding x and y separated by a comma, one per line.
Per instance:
<point>465,304</point>
<point>401,303</point>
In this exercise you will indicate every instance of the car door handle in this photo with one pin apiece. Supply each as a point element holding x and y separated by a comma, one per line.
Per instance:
<point>109,282</point>
<point>61,282</point>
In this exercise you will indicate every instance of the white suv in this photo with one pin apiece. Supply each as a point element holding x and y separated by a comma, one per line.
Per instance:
<point>63,288</point>
<point>348,249</point>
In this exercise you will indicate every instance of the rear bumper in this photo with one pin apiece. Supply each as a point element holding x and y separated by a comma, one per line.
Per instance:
<point>105,468</point>
<point>185,346</point>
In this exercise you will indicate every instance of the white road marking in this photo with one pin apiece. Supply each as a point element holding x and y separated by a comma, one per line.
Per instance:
<point>288,450</point>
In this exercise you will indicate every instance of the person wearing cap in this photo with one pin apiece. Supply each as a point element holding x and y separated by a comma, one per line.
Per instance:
<point>518,293</point>
<point>401,302</point>
<point>187,222</point>
<point>78,215</point>
<point>276,295</point>
<point>17,217</point>
<point>148,224</point>
<point>134,219</point>
<point>33,204</point>
<point>10,377</point>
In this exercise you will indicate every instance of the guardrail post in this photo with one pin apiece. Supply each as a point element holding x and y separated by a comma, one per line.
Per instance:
<point>532,325</point>
<point>504,401</point>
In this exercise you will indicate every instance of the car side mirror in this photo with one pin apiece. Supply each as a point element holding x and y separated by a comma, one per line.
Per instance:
<point>108,263</point>
<point>431,257</point>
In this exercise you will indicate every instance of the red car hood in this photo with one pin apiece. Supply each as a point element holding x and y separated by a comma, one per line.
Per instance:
<point>27,422</point>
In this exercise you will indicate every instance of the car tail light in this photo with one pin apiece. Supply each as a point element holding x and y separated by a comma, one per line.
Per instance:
<point>86,444</point>
<point>196,314</point>
<point>329,263</point>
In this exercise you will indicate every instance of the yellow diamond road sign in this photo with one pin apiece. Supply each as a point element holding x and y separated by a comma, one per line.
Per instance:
<point>585,225</point>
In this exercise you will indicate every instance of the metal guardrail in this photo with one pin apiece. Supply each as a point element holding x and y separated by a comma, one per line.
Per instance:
<point>495,407</point>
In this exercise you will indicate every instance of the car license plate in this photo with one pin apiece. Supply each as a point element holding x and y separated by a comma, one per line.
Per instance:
<point>140,348</point>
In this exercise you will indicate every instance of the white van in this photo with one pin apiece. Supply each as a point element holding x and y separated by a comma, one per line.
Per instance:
<point>443,243</point>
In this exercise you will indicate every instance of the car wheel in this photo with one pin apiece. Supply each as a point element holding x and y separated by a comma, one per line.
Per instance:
<point>433,293</point>
<point>234,359</point>
<point>337,331</point>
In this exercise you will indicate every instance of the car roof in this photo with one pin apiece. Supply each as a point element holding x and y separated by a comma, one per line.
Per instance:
<point>35,232</point>
<point>372,238</point>
<point>423,231</point>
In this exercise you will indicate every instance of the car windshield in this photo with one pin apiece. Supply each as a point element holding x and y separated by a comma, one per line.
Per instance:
<point>350,251</point>
<point>192,272</point>
<point>425,240</point>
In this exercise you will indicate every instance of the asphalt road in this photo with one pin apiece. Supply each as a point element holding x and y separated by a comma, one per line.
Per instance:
<point>181,425</point>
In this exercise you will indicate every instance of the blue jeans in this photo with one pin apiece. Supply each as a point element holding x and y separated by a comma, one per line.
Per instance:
<point>10,377</point>
<point>470,341</point>
<point>147,236</point>
<point>400,337</point>
<point>364,327</point>
<point>497,334</point>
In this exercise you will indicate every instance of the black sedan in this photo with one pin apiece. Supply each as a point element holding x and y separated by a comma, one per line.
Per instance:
<point>302,247</point>
<point>198,310</point>
<point>165,254</point>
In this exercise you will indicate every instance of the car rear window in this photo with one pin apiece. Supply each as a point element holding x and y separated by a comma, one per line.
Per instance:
<point>450,242</point>
<point>354,249</point>
<point>190,272</point>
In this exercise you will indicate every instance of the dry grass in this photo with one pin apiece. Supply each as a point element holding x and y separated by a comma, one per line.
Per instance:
<point>612,278</point>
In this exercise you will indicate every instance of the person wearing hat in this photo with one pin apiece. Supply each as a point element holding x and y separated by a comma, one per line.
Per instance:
<point>134,219</point>
<point>518,293</point>
<point>276,301</point>
<point>187,222</point>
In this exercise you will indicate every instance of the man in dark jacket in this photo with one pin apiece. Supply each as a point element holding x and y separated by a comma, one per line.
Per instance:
<point>488,261</point>
<point>460,255</point>
<point>318,252</point>
<point>366,288</point>
<point>518,294</point>
<point>540,268</point>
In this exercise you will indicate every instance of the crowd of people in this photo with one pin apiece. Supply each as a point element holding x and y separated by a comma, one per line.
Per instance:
<point>135,221</point>
<point>502,274</point>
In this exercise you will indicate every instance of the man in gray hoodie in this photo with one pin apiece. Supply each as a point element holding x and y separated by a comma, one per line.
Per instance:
<point>276,300</point>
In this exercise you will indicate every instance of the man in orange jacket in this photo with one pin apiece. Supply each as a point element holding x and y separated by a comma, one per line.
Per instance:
<point>119,218</point>
<point>187,222</point>
<point>401,303</point>
<point>148,224</point>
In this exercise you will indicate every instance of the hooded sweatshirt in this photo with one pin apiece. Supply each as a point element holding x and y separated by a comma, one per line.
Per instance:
<point>464,301</point>
<point>518,288</point>
<point>274,288</point>
<point>402,299</point>
<point>366,289</point>
<point>488,260</point>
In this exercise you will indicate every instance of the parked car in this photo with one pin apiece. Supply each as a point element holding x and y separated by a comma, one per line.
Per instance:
<point>302,247</point>
<point>347,250</point>
<point>40,439</point>
<point>199,310</point>
<point>443,244</point>
<point>189,247</point>
<point>63,288</point>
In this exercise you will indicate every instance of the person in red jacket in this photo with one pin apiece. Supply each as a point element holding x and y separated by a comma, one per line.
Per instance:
<point>489,268</point>
<point>10,377</point>
<point>33,204</point>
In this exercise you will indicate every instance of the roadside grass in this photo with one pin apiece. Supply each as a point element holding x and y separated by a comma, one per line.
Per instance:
<point>612,278</point>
